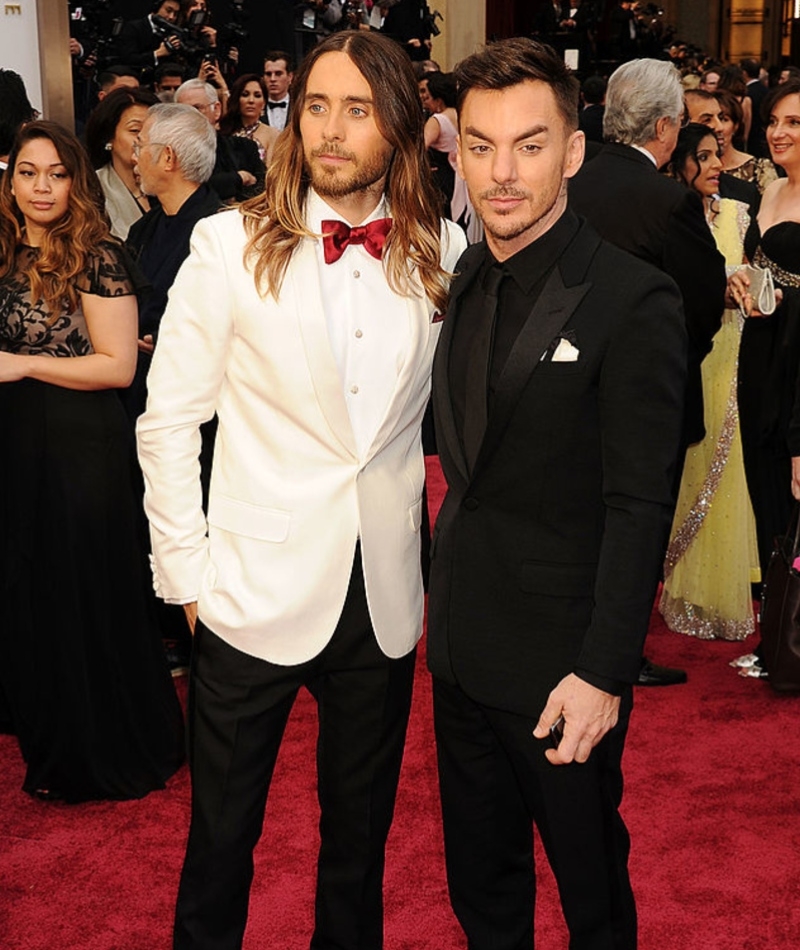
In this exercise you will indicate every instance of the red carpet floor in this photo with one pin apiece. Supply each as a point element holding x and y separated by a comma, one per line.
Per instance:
<point>712,801</point>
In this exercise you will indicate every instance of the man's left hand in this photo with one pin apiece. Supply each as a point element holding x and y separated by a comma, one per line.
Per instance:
<point>589,713</point>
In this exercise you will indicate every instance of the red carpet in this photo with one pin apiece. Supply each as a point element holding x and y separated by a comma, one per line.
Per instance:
<point>712,802</point>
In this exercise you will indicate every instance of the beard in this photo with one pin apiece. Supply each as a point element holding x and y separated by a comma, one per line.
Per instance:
<point>341,181</point>
<point>509,225</point>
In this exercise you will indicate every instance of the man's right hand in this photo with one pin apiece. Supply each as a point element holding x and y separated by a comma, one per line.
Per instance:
<point>191,615</point>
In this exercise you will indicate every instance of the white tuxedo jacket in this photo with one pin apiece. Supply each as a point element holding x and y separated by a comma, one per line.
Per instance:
<point>289,494</point>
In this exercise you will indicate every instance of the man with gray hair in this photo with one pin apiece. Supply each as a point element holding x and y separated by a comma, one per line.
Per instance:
<point>238,171</point>
<point>175,153</point>
<point>659,220</point>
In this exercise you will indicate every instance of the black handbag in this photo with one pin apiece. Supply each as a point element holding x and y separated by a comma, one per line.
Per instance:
<point>780,614</point>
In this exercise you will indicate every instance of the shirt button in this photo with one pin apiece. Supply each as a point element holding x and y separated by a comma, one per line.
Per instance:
<point>359,334</point>
<point>354,390</point>
<point>356,273</point>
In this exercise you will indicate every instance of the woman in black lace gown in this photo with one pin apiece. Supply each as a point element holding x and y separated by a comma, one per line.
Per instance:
<point>93,703</point>
<point>769,358</point>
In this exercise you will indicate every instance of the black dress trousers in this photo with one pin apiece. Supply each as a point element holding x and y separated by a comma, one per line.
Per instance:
<point>495,784</point>
<point>238,709</point>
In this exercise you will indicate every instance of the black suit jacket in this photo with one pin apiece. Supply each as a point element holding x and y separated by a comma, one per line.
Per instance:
<point>629,203</point>
<point>234,154</point>
<point>590,122</point>
<point>756,144</point>
<point>137,43</point>
<point>546,557</point>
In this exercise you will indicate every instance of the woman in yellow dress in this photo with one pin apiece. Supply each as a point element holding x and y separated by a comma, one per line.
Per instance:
<point>712,558</point>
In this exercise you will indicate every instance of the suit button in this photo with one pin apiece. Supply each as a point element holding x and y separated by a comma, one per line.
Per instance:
<point>471,504</point>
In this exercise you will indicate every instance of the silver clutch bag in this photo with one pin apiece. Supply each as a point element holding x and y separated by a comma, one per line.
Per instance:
<point>762,288</point>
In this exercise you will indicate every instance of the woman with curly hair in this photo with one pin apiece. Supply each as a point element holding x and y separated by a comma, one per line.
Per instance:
<point>81,662</point>
<point>246,105</point>
<point>110,133</point>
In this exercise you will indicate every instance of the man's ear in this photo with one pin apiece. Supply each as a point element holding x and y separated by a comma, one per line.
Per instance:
<point>576,150</point>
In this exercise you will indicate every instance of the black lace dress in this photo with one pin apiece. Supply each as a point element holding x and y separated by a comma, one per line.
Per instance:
<point>81,662</point>
<point>769,381</point>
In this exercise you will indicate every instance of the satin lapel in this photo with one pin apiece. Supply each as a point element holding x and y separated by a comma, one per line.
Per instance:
<point>314,330</point>
<point>550,314</point>
<point>468,267</point>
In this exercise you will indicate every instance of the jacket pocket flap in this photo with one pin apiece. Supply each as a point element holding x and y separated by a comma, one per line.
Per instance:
<point>557,580</point>
<point>251,521</point>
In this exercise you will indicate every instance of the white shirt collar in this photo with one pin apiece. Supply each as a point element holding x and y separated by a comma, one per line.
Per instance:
<point>318,210</point>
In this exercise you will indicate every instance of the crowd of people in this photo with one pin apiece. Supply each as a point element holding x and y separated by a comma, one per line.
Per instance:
<point>251,274</point>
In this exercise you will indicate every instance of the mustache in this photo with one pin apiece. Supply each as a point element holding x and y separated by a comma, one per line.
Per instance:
<point>333,151</point>
<point>504,192</point>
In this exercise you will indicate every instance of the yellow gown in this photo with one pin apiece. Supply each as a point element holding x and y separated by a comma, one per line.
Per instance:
<point>712,558</point>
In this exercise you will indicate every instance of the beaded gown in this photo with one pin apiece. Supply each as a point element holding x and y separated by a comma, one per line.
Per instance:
<point>81,662</point>
<point>712,558</point>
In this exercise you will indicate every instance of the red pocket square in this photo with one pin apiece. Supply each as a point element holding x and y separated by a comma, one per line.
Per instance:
<point>437,317</point>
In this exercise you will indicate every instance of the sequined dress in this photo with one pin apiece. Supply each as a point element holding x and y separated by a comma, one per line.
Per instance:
<point>712,557</point>
<point>81,662</point>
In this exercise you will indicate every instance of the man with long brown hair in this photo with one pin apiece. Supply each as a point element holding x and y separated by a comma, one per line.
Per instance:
<point>307,321</point>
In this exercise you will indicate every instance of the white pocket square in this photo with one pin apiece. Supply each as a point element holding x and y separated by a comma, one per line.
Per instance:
<point>565,352</point>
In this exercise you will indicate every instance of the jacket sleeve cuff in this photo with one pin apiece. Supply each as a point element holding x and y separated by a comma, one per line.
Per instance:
<point>614,687</point>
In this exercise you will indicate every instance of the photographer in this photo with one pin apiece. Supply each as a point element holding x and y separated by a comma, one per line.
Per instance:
<point>410,23</point>
<point>146,42</point>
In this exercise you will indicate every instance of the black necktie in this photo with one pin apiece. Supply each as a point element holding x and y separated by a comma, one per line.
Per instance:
<point>476,402</point>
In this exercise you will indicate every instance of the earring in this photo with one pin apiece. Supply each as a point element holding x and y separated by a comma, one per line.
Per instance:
<point>107,146</point>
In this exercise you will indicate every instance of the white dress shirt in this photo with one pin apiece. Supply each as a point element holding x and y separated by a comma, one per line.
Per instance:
<point>368,325</point>
<point>277,117</point>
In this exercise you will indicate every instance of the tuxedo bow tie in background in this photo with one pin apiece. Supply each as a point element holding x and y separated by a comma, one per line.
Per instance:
<point>277,105</point>
<point>336,235</point>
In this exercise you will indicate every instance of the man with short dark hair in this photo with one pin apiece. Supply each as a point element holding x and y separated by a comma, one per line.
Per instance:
<point>756,92</point>
<point>278,73</point>
<point>116,77</point>
<point>142,42</point>
<point>590,119</point>
<point>307,320</point>
<point>558,391</point>
<point>167,80</point>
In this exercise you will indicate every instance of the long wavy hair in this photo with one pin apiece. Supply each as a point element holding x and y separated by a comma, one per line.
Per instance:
<point>232,120</point>
<point>275,220</point>
<point>68,242</point>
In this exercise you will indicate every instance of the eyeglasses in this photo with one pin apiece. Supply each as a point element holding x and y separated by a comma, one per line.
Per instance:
<point>138,146</point>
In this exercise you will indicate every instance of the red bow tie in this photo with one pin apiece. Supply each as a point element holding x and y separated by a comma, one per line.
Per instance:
<point>336,235</point>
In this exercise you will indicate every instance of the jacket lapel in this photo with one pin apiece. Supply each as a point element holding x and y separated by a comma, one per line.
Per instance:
<point>467,268</point>
<point>550,314</point>
<point>321,363</point>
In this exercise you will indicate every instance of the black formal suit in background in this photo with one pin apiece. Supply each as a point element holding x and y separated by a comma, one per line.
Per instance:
<point>630,204</point>
<point>756,143</point>
<point>545,561</point>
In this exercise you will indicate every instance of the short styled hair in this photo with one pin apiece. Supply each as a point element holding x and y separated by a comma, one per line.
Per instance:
<point>276,55</point>
<point>212,96</point>
<point>190,136</point>
<point>639,94</point>
<point>510,62</point>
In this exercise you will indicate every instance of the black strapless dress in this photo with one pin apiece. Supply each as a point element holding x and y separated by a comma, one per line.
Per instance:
<point>769,374</point>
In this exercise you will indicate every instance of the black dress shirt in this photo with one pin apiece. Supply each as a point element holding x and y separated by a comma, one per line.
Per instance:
<point>525,274</point>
